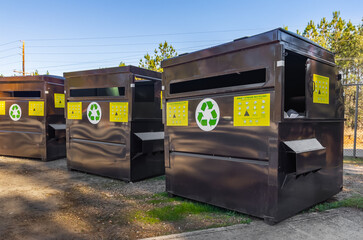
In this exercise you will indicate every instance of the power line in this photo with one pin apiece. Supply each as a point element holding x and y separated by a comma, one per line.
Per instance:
<point>9,43</point>
<point>94,53</point>
<point>9,49</point>
<point>145,35</point>
<point>9,56</point>
<point>122,44</point>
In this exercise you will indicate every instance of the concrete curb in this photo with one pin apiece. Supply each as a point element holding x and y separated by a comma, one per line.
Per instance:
<point>342,223</point>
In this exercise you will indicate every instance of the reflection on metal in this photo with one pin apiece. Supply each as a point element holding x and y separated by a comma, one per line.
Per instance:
<point>30,124</point>
<point>114,125</point>
<point>258,160</point>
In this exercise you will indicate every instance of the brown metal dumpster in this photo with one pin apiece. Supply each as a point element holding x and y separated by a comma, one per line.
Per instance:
<point>254,125</point>
<point>32,120</point>
<point>114,125</point>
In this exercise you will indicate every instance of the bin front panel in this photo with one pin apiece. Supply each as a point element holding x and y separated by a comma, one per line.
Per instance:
<point>107,159</point>
<point>104,130</point>
<point>251,142</point>
<point>236,184</point>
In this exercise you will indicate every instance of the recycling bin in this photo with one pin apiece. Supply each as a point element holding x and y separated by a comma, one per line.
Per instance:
<point>254,125</point>
<point>32,120</point>
<point>114,124</point>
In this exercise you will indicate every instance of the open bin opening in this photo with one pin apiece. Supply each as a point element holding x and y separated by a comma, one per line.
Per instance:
<point>228,80</point>
<point>295,72</point>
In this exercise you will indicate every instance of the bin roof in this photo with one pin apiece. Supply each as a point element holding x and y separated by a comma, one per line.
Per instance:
<point>36,78</point>
<point>115,70</point>
<point>276,35</point>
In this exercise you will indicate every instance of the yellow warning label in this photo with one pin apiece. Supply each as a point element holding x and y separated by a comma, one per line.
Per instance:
<point>36,108</point>
<point>177,113</point>
<point>59,100</point>
<point>119,111</point>
<point>161,99</point>
<point>251,110</point>
<point>74,110</point>
<point>2,107</point>
<point>321,89</point>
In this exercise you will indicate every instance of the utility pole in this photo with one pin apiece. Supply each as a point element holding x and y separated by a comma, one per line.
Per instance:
<point>23,58</point>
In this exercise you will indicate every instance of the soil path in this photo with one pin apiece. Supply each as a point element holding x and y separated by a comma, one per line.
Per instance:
<point>42,200</point>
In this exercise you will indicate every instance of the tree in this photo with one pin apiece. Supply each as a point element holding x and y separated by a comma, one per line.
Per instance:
<point>36,72</point>
<point>164,51</point>
<point>122,64</point>
<point>345,40</point>
<point>47,72</point>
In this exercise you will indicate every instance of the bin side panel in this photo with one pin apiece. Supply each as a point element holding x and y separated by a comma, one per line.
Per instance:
<point>300,191</point>
<point>234,184</point>
<point>56,138</point>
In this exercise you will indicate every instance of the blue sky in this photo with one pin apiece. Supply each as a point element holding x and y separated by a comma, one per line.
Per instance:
<point>63,36</point>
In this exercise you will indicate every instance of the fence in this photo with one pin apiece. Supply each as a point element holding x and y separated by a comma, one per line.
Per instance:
<point>353,126</point>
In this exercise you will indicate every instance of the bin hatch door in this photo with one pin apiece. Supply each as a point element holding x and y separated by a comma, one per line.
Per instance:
<point>304,145</point>
<point>304,156</point>
<point>58,127</point>
<point>150,136</point>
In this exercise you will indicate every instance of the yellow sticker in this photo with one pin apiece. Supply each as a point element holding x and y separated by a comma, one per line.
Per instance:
<point>74,110</point>
<point>36,108</point>
<point>59,100</point>
<point>177,113</point>
<point>161,99</point>
<point>321,89</point>
<point>2,107</point>
<point>251,110</point>
<point>119,111</point>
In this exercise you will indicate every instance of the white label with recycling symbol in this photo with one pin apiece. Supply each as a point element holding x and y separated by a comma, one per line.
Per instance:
<point>207,114</point>
<point>15,112</point>
<point>94,113</point>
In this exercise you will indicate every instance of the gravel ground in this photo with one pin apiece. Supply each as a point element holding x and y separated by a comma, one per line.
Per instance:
<point>42,200</point>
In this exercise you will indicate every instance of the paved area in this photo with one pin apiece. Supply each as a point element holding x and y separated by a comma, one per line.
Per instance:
<point>349,153</point>
<point>341,223</point>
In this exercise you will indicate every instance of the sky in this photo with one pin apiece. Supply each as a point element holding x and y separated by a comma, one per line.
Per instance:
<point>72,35</point>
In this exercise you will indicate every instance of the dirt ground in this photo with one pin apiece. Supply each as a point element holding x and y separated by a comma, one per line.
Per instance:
<point>42,200</point>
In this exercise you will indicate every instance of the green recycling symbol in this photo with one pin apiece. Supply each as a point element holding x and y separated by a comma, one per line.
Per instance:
<point>15,112</point>
<point>94,113</point>
<point>207,114</point>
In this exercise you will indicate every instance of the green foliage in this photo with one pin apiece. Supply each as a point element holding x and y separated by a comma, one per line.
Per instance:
<point>175,209</point>
<point>342,38</point>
<point>353,202</point>
<point>164,51</point>
<point>36,73</point>
<point>122,64</point>
<point>346,41</point>
<point>353,160</point>
<point>47,72</point>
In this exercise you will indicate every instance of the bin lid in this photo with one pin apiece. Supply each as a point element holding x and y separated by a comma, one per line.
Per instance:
<point>149,136</point>
<point>304,145</point>
<point>58,126</point>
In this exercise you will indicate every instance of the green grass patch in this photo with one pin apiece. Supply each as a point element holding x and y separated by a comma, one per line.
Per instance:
<point>162,177</point>
<point>353,160</point>
<point>175,209</point>
<point>353,202</point>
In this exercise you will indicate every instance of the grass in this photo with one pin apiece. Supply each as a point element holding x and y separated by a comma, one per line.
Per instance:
<point>353,202</point>
<point>174,209</point>
<point>353,160</point>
